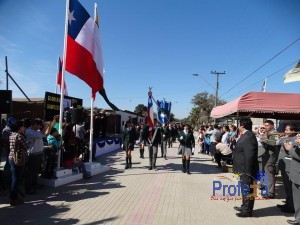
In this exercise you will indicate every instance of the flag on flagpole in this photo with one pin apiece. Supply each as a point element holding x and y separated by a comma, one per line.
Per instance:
<point>263,88</point>
<point>59,77</point>
<point>150,119</point>
<point>293,75</point>
<point>83,51</point>
<point>163,111</point>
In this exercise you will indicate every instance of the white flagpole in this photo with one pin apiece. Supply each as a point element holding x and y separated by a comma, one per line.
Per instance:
<point>61,107</point>
<point>92,108</point>
<point>57,71</point>
<point>91,131</point>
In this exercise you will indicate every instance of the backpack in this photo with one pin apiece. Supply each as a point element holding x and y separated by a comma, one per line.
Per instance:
<point>207,140</point>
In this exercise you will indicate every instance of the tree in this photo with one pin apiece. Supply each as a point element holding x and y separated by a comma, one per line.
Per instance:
<point>140,109</point>
<point>203,105</point>
<point>172,117</point>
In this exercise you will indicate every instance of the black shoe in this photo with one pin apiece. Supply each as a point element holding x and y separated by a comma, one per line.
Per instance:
<point>243,215</point>
<point>127,166</point>
<point>188,172</point>
<point>30,192</point>
<point>86,176</point>
<point>237,208</point>
<point>17,201</point>
<point>165,157</point>
<point>287,210</point>
<point>294,222</point>
<point>282,206</point>
<point>150,168</point>
<point>154,167</point>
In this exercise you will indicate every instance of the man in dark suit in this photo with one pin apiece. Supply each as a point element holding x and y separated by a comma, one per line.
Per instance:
<point>284,165</point>
<point>245,163</point>
<point>295,178</point>
<point>166,134</point>
<point>154,141</point>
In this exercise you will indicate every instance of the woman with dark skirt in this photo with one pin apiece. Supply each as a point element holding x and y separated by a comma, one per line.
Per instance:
<point>187,145</point>
<point>129,136</point>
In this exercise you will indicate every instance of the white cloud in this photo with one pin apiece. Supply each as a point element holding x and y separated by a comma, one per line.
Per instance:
<point>8,47</point>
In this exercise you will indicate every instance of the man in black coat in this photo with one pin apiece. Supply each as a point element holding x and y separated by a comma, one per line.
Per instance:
<point>154,141</point>
<point>245,163</point>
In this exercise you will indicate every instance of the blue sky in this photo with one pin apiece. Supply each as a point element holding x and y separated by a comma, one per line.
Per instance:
<point>156,43</point>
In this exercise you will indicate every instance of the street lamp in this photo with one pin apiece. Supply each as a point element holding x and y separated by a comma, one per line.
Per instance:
<point>198,75</point>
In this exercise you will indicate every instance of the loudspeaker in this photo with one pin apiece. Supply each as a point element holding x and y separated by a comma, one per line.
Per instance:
<point>77,115</point>
<point>5,101</point>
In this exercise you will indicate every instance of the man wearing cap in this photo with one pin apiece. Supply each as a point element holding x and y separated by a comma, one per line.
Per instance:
<point>34,134</point>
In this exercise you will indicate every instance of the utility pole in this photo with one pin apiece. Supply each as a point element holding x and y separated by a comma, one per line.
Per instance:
<point>217,85</point>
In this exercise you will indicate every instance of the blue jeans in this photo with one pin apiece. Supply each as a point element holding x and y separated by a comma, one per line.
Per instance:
<point>16,178</point>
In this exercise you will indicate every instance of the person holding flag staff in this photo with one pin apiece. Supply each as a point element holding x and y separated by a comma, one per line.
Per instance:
<point>154,141</point>
<point>129,135</point>
<point>187,145</point>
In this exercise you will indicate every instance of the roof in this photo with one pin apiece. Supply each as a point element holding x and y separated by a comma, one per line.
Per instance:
<point>261,104</point>
<point>26,100</point>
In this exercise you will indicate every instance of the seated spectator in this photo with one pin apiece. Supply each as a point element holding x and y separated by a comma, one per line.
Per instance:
<point>72,158</point>
<point>222,151</point>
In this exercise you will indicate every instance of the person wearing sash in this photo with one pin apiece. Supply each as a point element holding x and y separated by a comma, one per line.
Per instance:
<point>154,141</point>
<point>187,143</point>
<point>270,158</point>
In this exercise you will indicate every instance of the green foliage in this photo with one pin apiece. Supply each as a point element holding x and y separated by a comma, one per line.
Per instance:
<point>140,109</point>
<point>203,104</point>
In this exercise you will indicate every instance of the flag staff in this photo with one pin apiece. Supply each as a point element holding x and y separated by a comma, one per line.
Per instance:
<point>92,103</point>
<point>57,72</point>
<point>61,107</point>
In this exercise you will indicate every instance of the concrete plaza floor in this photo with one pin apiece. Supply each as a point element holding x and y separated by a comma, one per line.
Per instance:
<point>141,196</point>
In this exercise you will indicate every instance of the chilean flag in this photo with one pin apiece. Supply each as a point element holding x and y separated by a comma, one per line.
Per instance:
<point>59,76</point>
<point>150,112</point>
<point>84,51</point>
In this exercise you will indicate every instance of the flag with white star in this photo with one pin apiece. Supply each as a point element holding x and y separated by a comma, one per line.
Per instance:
<point>84,51</point>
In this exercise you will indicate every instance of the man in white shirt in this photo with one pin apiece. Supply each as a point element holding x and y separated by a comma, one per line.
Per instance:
<point>34,135</point>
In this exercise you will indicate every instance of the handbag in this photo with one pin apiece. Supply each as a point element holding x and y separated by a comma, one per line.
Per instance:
<point>20,155</point>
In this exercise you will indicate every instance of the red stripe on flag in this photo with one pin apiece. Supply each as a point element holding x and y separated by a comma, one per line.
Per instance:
<point>80,62</point>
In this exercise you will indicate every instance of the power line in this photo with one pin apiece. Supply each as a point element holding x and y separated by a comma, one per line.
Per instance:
<point>230,89</point>
<point>269,76</point>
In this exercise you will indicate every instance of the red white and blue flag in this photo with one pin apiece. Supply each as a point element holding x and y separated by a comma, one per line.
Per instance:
<point>59,77</point>
<point>84,51</point>
<point>150,119</point>
<point>163,111</point>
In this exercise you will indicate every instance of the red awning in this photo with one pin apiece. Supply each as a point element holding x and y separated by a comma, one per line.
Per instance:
<point>261,104</point>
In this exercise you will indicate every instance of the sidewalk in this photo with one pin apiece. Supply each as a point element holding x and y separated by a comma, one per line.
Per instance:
<point>141,196</point>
